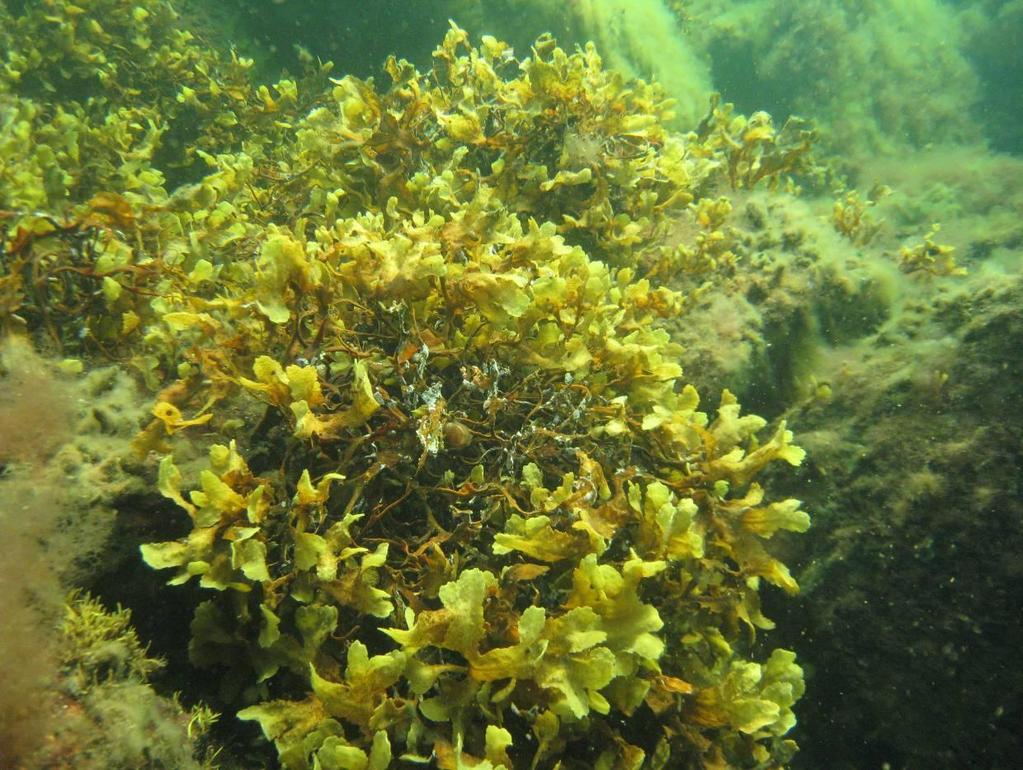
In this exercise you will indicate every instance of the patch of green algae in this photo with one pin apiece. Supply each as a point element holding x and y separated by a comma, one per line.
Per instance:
<point>451,497</point>
<point>109,714</point>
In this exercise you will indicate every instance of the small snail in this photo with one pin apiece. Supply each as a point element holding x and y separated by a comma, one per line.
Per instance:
<point>456,435</point>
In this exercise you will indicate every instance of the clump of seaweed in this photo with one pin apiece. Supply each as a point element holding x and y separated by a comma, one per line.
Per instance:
<point>752,150</point>
<point>852,215</point>
<point>451,497</point>
<point>930,257</point>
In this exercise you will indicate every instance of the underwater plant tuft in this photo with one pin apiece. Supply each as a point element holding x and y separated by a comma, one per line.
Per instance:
<point>449,495</point>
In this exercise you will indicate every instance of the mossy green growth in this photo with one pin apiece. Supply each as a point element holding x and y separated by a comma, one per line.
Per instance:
<point>457,504</point>
<point>100,645</point>
<point>110,717</point>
